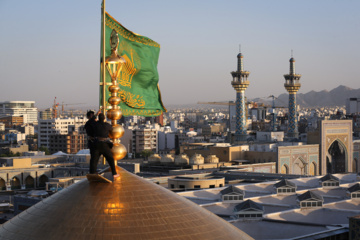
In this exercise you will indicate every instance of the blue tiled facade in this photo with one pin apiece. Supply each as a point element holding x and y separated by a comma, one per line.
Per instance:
<point>292,127</point>
<point>240,113</point>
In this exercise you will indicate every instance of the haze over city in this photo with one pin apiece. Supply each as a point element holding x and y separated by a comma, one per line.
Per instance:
<point>52,48</point>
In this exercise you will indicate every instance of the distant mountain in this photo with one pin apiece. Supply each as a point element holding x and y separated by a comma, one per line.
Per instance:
<point>335,97</point>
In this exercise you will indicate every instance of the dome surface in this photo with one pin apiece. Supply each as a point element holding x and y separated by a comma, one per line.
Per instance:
<point>197,159</point>
<point>129,208</point>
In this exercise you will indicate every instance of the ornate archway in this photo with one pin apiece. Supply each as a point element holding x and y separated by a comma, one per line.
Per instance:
<point>336,146</point>
<point>299,167</point>
<point>336,159</point>
<point>15,183</point>
<point>42,180</point>
<point>312,169</point>
<point>2,184</point>
<point>284,169</point>
<point>29,182</point>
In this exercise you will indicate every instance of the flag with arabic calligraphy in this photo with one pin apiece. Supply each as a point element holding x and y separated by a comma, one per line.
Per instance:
<point>138,79</point>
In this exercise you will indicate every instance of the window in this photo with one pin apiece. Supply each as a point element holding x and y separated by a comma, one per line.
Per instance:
<point>172,186</point>
<point>181,186</point>
<point>253,215</point>
<point>220,185</point>
<point>197,186</point>
<point>212,186</point>
<point>356,195</point>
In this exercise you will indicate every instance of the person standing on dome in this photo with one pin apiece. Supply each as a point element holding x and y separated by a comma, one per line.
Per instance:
<point>90,131</point>
<point>102,145</point>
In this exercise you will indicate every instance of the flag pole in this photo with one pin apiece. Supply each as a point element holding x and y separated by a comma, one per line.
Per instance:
<point>103,58</point>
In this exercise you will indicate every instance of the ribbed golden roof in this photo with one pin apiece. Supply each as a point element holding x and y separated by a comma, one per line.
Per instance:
<point>131,208</point>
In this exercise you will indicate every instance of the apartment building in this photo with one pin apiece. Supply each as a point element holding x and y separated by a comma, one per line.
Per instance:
<point>70,143</point>
<point>65,126</point>
<point>26,109</point>
<point>145,139</point>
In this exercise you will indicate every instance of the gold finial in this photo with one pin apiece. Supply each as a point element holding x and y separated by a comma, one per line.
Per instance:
<point>114,40</point>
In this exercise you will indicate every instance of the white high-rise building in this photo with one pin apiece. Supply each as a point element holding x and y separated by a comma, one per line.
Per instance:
<point>61,126</point>
<point>352,105</point>
<point>166,139</point>
<point>145,139</point>
<point>26,109</point>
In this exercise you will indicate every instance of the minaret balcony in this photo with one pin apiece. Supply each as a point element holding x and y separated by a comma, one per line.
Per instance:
<point>286,85</point>
<point>240,85</point>
<point>292,82</point>
<point>292,77</point>
<point>292,88</point>
<point>240,74</point>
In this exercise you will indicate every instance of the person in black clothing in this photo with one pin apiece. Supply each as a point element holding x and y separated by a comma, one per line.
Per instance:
<point>90,131</point>
<point>102,145</point>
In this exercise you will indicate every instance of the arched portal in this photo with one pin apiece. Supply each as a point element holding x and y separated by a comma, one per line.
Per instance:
<point>312,169</point>
<point>336,160</point>
<point>15,183</point>
<point>299,167</point>
<point>2,184</point>
<point>42,180</point>
<point>29,182</point>
<point>284,169</point>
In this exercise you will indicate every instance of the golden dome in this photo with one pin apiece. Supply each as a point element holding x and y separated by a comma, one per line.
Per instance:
<point>129,208</point>
<point>182,159</point>
<point>167,158</point>
<point>196,159</point>
<point>211,159</point>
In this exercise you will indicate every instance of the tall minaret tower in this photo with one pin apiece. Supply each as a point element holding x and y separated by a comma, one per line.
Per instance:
<point>292,85</point>
<point>240,83</point>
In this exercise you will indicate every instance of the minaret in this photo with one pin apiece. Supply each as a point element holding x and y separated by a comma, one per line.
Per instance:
<point>240,83</point>
<point>292,85</point>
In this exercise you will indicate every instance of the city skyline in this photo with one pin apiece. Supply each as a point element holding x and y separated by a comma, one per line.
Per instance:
<point>59,42</point>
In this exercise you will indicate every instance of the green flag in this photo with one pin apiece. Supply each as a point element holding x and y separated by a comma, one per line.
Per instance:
<point>138,79</point>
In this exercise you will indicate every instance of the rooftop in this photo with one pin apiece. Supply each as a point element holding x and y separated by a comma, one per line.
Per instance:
<point>283,218</point>
<point>129,208</point>
<point>275,230</point>
<point>324,216</point>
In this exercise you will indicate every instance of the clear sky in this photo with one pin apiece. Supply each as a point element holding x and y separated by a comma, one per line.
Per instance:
<point>52,48</point>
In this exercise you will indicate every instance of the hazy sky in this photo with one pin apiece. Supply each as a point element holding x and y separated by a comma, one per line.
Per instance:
<point>52,48</point>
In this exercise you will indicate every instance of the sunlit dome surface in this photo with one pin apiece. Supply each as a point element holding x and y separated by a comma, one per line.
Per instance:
<point>132,208</point>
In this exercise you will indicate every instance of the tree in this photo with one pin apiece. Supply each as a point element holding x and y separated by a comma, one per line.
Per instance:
<point>146,153</point>
<point>44,149</point>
